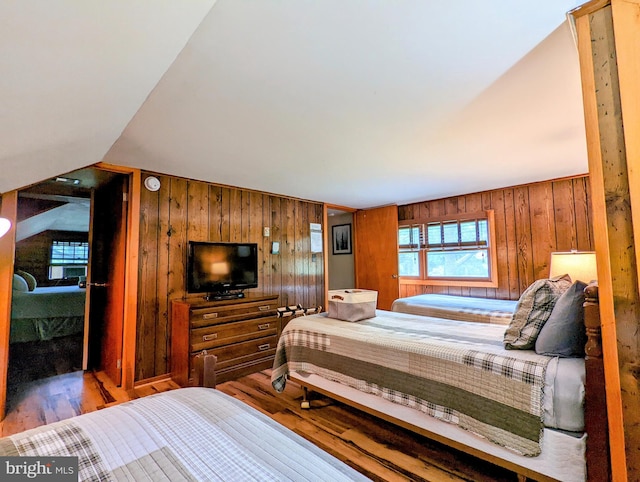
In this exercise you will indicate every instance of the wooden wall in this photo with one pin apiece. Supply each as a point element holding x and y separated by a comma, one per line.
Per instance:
<point>184,210</point>
<point>532,221</point>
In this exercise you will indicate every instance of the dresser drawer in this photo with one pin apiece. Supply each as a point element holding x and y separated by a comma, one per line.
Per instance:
<point>235,332</point>
<point>211,315</point>
<point>242,333</point>
<point>243,352</point>
<point>246,350</point>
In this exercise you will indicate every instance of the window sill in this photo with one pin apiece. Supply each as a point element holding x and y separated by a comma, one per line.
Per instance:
<point>463,283</point>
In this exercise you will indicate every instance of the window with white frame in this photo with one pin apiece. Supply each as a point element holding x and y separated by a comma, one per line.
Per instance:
<point>456,250</point>
<point>68,259</point>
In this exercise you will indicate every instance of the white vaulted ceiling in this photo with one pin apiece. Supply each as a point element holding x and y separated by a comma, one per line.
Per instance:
<point>358,103</point>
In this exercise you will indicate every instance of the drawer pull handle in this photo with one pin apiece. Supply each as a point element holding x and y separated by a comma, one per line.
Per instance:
<point>264,326</point>
<point>208,316</point>
<point>264,347</point>
<point>210,337</point>
<point>264,307</point>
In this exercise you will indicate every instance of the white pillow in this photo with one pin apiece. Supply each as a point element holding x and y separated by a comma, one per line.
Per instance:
<point>19,283</point>
<point>29,278</point>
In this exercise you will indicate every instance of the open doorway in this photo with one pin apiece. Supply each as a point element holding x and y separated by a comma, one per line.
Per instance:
<point>53,330</point>
<point>340,252</point>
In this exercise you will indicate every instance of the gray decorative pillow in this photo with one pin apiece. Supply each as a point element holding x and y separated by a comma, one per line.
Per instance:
<point>19,284</point>
<point>532,312</point>
<point>564,333</point>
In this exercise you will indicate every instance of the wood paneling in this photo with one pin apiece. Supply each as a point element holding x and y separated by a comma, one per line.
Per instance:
<point>184,210</point>
<point>531,221</point>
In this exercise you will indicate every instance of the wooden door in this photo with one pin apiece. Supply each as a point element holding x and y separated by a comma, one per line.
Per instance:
<point>376,253</point>
<point>106,279</point>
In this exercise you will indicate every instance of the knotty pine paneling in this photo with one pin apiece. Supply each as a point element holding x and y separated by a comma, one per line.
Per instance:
<point>184,210</point>
<point>532,221</point>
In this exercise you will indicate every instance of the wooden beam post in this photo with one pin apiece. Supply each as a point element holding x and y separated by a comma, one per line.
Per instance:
<point>9,210</point>
<point>608,39</point>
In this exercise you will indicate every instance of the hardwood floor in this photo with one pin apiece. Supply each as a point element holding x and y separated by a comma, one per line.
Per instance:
<point>381,451</point>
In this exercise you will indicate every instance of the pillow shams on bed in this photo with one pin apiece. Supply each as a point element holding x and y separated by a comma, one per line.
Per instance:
<point>29,278</point>
<point>19,283</point>
<point>532,312</point>
<point>564,333</point>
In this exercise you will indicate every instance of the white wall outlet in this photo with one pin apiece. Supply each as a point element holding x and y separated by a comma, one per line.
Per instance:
<point>267,231</point>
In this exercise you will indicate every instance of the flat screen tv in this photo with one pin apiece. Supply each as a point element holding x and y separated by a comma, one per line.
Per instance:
<point>221,269</point>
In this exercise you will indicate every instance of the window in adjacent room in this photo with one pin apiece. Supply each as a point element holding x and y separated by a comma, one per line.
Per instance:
<point>68,259</point>
<point>456,250</point>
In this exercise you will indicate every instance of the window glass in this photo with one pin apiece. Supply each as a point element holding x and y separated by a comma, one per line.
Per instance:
<point>69,252</point>
<point>450,233</point>
<point>434,234</point>
<point>69,259</point>
<point>458,264</point>
<point>409,237</point>
<point>410,242</point>
<point>483,230</point>
<point>468,233</point>
<point>409,263</point>
<point>456,250</point>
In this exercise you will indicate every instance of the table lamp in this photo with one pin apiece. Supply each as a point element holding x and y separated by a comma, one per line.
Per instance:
<point>579,265</point>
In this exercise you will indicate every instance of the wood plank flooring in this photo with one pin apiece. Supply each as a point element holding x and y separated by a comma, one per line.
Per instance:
<point>381,451</point>
<point>48,400</point>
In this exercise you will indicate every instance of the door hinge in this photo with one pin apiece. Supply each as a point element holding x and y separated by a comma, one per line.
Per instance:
<point>119,364</point>
<point>124,197</point>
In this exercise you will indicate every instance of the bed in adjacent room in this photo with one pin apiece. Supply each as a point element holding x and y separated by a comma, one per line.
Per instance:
<point>186,434</point>
<point>46,313</point>
<point>453,381</point>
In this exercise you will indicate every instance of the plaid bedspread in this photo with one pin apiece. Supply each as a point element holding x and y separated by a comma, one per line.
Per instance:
<point>455,371</point>
<point>462,308</point>
<point>192,434</point>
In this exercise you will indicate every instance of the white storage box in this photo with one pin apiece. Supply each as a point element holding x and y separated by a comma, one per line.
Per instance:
<point>352,305</point>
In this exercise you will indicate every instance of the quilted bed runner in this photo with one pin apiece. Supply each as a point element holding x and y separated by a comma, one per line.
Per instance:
<point>455,371</point>
<point>191,434</point>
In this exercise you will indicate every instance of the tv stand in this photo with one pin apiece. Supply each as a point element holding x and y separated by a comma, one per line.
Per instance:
<point>225,295</point>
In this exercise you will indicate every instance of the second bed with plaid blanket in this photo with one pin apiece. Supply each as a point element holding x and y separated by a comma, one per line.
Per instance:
<point>455,371</point>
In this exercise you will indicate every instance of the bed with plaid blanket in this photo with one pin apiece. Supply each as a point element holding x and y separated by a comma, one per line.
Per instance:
<point>462,308</point>
<point>455,371</point>
<point>186,434</point>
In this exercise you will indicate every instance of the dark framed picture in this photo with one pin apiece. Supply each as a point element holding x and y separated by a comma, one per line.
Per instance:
<point>341,234</point>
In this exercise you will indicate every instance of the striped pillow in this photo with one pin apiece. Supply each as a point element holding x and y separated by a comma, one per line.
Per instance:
<point>532,312</point>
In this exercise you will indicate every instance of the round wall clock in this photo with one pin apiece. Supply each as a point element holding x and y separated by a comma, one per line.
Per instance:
<point>152,183</point>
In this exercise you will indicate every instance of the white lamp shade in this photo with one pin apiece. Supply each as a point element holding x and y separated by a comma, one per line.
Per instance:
<point>579,265</point>
<point>5,226</point>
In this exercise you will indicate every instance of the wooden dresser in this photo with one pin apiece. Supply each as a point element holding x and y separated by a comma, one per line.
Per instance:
<point>242,333</point>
